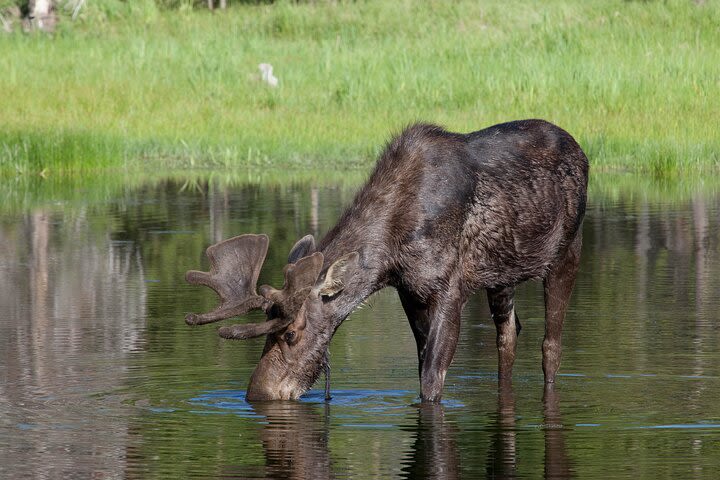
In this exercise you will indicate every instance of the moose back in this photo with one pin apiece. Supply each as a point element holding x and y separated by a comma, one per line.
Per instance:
<point>442,215</point>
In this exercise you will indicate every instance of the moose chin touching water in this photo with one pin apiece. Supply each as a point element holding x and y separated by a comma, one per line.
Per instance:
<point>443,215</point>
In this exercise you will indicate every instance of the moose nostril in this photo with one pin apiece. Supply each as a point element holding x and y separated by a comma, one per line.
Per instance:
<point>289,336</point>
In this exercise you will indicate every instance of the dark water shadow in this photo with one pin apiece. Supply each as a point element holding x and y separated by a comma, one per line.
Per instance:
<point>502,456</point>
<point>295,436</point>
<point>502,453</point>
<point>434,453</point>
<point>557,462</point>
<point>294,439</point>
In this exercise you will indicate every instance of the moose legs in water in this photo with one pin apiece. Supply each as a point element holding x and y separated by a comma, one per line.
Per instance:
<point>558,287</point>
<point>436,328</point>
<point>502,309</point>
<point>435,453</point>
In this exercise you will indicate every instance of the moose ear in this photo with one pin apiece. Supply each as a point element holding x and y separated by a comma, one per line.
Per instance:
<point>339,274</point>
<point>302,248</point>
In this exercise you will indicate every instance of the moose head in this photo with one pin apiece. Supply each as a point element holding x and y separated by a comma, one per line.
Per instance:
<point>298,332</point>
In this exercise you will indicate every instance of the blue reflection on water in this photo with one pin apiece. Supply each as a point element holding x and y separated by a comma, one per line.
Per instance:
<point>371,401</point>
<point>679,426</point>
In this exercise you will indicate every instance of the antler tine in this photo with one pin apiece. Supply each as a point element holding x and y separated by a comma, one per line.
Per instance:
<point>299,280</point>
<point>234,270</point>
<point>300,277</point>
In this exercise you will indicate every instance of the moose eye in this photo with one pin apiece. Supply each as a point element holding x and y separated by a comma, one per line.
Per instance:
<point>289,336</point>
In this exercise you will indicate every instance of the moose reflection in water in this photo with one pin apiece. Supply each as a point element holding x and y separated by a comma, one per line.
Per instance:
<point>442,216</point>
<point>296,439</point>
<point>502,457</point>
<point>435,452</point>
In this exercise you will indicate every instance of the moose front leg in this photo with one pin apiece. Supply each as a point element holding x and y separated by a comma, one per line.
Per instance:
<point>417,315</point>
<point>436,329</point>
<point>503,314</point>
<point>442,338</point>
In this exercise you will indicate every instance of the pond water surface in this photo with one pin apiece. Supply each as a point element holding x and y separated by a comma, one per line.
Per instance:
<point>101,378</point>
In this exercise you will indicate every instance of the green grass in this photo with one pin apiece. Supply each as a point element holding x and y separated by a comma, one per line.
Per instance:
<point>637,83</point>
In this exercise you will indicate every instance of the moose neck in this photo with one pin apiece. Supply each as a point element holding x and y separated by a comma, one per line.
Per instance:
<point>367,280</point>
<point>368,227</point>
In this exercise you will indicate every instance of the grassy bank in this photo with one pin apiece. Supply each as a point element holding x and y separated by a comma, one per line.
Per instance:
<point>636,83</point>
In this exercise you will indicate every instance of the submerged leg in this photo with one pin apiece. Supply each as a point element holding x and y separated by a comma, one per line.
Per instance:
<point>558,287</point>
<point>418,318</point>
<point>441,343</point>
<point>502,309</point>
<point>436,329</point>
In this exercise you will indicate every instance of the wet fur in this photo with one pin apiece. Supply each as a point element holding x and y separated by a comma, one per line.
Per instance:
<point>444,215</point>
<point>496,207</point>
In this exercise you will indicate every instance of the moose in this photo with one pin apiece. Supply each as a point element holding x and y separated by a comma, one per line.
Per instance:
<point>442,216</point>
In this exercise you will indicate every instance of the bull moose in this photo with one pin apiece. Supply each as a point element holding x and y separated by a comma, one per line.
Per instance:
<point>442,215</point>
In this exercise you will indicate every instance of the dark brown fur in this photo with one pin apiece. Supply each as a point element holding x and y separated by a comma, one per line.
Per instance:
<point>442,216</point>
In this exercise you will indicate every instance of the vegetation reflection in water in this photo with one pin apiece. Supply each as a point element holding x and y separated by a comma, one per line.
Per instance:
<point>102,376</point>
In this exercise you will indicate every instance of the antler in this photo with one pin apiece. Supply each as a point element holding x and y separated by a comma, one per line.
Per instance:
<point>300,277</point>
<point>234,269</point>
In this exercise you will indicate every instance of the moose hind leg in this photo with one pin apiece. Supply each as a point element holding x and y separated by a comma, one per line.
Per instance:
<point>507,325</point>
<point>558,287</point>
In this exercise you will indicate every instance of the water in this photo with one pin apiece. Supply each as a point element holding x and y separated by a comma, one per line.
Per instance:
<point>101,378</point>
